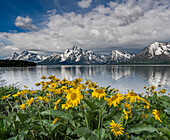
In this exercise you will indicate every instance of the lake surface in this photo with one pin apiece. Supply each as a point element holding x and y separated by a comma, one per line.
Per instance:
<point>119,77</point>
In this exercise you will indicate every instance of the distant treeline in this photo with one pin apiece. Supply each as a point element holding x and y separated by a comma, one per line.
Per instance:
<point>16,63</point>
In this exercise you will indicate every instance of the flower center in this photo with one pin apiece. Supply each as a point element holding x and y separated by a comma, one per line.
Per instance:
<point>100,91</point>
<point>133,94</point>
<point>157,113</point>
<point>116,128</point>
<point>73,96</point>
<point>114,98</point>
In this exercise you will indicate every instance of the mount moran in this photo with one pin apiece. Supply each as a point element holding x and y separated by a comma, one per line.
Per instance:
<point>155,53</point>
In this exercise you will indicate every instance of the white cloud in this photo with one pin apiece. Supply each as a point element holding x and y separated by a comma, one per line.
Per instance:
<point>130,24</point>
<point>84,3</point>
<point>25,23</point>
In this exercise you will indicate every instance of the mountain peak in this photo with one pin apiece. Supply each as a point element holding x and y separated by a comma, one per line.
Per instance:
<point>75,47</point>
<point>158,48</point>
<point>118,56</point>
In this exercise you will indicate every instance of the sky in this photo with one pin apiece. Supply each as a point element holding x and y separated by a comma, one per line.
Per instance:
<point>49,26</point>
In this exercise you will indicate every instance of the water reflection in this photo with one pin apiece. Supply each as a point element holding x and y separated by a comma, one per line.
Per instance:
<point>121,77</point>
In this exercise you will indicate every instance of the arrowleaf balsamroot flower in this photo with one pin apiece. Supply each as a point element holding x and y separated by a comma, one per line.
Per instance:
<point>156,115</point>
<point>98,93</point>
<point>22,106</point>
<point>4,97</point>
<point>55,120</point>
<point>56,103</point>
<point>133,97</point>
<point>114,100</point>
<point>43,77</point>
<point>125,114</point>
<point>73,97</point>
<point>29,102</point>
<point>116,128</point>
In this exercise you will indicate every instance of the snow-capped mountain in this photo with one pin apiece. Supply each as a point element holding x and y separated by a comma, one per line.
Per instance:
<point>76,55</point>
<point>27,56</point>
<point>118,57</point>
<point>156,53</point>
<point>157,49</point>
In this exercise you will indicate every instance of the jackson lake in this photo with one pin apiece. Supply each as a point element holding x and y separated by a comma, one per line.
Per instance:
<point>122,77</point>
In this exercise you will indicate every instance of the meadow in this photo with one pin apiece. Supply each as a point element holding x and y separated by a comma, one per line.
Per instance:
<point>69,110</point>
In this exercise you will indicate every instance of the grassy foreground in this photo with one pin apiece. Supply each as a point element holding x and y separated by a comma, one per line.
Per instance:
<point>69,110</point>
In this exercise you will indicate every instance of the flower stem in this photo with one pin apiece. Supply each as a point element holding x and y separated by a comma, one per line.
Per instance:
<point>100,112</point>
<point>86,117</point>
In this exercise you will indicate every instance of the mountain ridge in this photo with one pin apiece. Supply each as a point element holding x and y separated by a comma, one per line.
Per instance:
<point>157,52</point>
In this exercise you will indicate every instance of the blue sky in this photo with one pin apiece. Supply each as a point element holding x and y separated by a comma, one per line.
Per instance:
<point>48,26</point>
<point>37,9</point>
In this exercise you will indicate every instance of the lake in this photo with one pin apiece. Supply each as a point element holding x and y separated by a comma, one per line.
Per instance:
<point>121,77</point>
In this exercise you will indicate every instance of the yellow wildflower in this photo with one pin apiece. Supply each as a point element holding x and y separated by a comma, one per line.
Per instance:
<point>29,102</point>
<point>55,120</point>
<point>22,106</point>
<point>56,103</point>
<point>152,88</point>
<point>37,84</point>
<point>156,115</point>
<point>116,128</point>
<point>43,77</point>
<point>65,106</point>
<point>17,94</point>
<point>133,97</point>
<point>114,100</point>
<point>144,87</point>
<point>154,92</point>
<point>87,82</point>
<point>125,114</point>
<point>163,90</point>
<point>144,115</point>
<point>73,97</point>
<point>128,106</point>
<point>4,97</point>
<point>46,99</point>
<point>48,95</point>
<point>40,98</point>
<point>98,93</point>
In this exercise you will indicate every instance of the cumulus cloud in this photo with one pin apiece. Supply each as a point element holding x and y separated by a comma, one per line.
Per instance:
<point>25,23</point>
<point>84,3</point>
<point>132,24</point>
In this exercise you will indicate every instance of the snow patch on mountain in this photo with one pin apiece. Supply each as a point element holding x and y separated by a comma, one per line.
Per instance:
<point>158,48</point>
<point>118,56</point>
<point>27,56</point>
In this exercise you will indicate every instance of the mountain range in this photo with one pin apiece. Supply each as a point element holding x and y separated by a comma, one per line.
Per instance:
<point>156,53</point>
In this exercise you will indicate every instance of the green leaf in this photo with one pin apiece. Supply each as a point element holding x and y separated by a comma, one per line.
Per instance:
<point>96,133</point>
<point>102,134</point>
<point>23,134</point>
<point>167,110</point>
<point>82,138</point>
<point>54,127</point>
<point>13,138</point>
<point>138,128</point>
<point>69,130</point>
<point>109,116</point>
<point>82,131</point>
<point>92,137</point>
<point>165,130</point>
<point>43,133</point>
<point>22,117</point>
<point>135,138</point>
<point>57,113</point>
<point>91,105</point>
